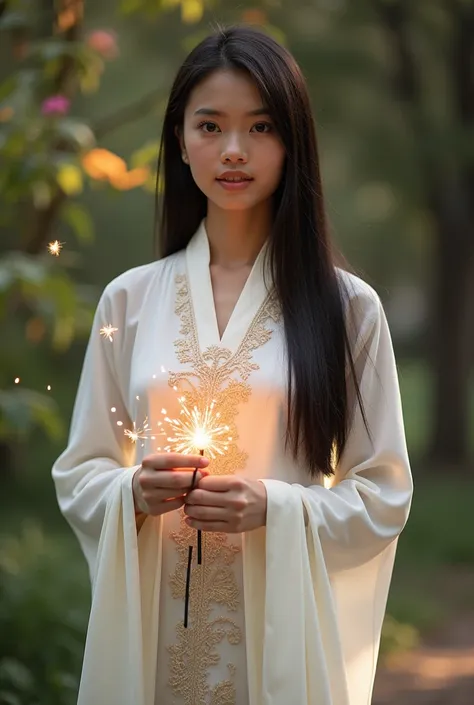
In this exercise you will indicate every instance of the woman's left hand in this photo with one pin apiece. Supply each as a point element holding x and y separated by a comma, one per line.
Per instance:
<point>227,503</point>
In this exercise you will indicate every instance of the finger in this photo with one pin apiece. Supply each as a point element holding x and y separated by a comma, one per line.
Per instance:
<point>207,499</point>
<point>221,483</point>
<point>217,526</point>
<point>168,480</point>
<point>153,496</point>
<point>206,513</point>
<point>167,506</point>
<point>168,461</point>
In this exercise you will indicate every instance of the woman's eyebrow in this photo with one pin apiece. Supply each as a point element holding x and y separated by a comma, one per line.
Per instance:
<point>219,113</point>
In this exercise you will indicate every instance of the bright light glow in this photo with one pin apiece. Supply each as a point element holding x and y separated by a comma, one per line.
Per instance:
<point>108,331</point>
<point>197,431</point>
<point>138,433</point>
<point>55,248</point>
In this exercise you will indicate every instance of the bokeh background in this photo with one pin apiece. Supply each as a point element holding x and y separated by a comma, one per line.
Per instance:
<point>82,93</point>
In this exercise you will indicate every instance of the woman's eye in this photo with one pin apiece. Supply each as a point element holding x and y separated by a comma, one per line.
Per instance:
<point>208,127</point>
<point>262,127</point>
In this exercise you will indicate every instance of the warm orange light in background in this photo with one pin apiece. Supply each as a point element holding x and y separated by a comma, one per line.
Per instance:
<point>70,13</point>
<point>130,179</point>
<point>102,165</point>
<point>6,113</point>
<point>254,16</point>
<point>35,330</point>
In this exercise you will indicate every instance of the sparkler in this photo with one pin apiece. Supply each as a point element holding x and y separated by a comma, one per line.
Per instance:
<point>196,430</point>
<point>55,247</point>
<point>108,331</point>
<point>138,433</point>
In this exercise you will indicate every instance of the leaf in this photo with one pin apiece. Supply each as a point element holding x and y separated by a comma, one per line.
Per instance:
<point>42,194</point>
<point>13,21</point>
<point>90,70</point>
<point>69,178</point>
<point>192,11</point>
<point>16,674</point>
<point>17,266</point>
<point>63,333</point>
<point>77,133</point>
<point>8,698</point>
<point>7,276</point>
<point>89,81</point>
<point>7,87</point>
<point>130,6</point>
<point>146,154</point>
<point>79,220</point>
<point>60,289</point>
<point>52,49</point>
<point>21,410</point>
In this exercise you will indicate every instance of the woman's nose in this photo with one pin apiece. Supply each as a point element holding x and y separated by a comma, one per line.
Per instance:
<point>234,153</point>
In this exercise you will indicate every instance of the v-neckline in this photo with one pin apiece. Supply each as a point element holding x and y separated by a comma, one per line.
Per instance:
<point>251,297</point>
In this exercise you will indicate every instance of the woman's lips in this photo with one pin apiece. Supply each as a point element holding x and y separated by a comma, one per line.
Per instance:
<point>234,181</point>
<point>234,185</point>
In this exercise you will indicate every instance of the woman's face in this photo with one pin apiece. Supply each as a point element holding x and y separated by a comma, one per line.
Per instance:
<point>229,141</point>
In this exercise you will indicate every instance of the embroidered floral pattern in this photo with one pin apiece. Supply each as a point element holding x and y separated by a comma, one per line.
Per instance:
<point>220,376</point>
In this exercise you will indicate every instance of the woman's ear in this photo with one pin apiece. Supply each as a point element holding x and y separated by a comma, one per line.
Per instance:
<point>180,138</point>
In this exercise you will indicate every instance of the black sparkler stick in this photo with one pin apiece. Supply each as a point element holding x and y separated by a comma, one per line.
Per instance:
<point>190,557</point>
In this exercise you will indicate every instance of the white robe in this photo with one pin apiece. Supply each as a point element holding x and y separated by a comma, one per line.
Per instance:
<point>289,614</point>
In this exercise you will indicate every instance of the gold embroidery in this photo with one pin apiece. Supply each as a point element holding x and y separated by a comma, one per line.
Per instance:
<point>220,376</point>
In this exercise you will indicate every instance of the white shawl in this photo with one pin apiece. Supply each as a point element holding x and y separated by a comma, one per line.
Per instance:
<point>316,578</point>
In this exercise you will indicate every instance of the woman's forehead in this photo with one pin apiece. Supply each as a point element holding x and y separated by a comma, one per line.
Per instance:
<point>226,92</point>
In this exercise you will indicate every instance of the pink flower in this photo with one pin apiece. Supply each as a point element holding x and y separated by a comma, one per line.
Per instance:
<point>104,43</point>
<point>55,105</point>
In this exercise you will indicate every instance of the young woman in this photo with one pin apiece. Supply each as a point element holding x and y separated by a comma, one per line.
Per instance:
<point>245,325</point>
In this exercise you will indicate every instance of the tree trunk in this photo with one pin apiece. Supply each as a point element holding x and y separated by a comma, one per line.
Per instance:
<point>452,348</point>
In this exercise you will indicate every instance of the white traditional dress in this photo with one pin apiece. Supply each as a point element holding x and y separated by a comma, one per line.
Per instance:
<point>289,614</point>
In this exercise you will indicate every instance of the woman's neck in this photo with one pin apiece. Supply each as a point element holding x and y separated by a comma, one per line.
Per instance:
<point>236,237</point>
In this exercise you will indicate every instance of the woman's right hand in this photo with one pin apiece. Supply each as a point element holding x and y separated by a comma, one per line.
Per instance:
<point>161,483</point>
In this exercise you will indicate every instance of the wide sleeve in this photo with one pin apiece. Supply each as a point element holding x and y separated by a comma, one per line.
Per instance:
<point>367,504</point>
<point>328,551</point>
<point>96,454</point>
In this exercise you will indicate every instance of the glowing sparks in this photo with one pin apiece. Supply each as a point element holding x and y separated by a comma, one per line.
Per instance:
<point>108,332</point>
<point>197,431</point>
<point>138,433</point>
<point>55,248</point>
<point>17,380</point>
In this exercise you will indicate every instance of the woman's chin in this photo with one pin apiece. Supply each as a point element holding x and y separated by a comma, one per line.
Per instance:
<point>233,202</point>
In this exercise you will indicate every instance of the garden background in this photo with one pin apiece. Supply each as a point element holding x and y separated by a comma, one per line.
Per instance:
<point>82,93</point>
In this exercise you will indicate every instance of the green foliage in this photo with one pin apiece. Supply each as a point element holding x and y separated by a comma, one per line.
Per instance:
<point>191,10</point>
<point>43,618</point>
<point>24,409</point>
<point>43,168</point>
<point>440,526</point>
<point>397,636</point>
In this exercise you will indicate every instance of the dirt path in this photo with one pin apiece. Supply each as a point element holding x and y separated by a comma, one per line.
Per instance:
<point>441,672</point>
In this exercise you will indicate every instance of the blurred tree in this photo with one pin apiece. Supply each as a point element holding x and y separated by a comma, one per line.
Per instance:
<point>438,110</point>
<point>395,84</point>
<point>46,156</point>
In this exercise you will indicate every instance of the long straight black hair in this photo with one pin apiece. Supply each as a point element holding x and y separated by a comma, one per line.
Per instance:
<point>305,278</point>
